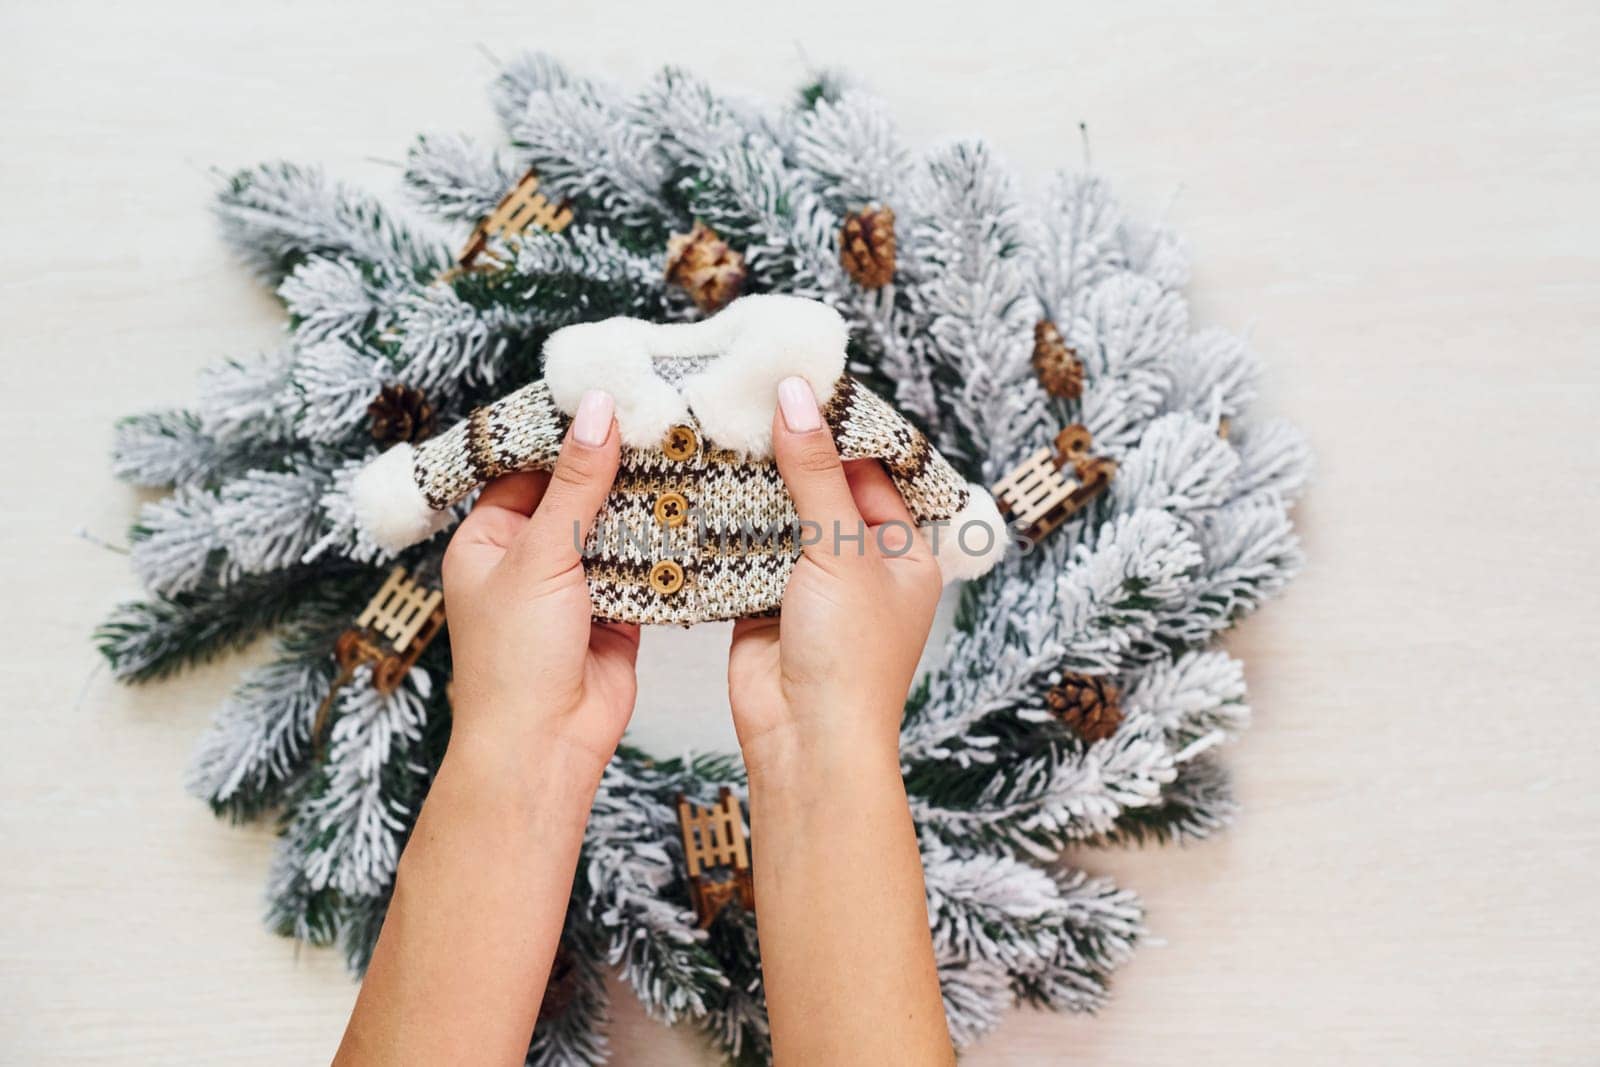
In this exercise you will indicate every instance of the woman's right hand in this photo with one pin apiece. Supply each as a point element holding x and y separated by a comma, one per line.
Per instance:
<point>817,697</point>
<point>834,669</point>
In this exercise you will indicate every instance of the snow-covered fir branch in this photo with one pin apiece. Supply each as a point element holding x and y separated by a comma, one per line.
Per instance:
<point>267,520</point>
<point>737,1018</point>
<point>1180,465</point>
<point>1078,227</point>
<point>260,737</point>
<point>990,906</point>
<point>1101,924</point>
<point>1196,697</point>
<point>586,273</point>
<point>1195,805</point>
<point>1039,804</point>
<point>458,179</point>
<point>334,382</point>
<point>176,541</point>
<point>342,535</point>
<point>588,149</point>
<point>750,197</point>
<point>689,123</point>
<point>975,311</point>
<point>629,862</point>
<point>995,668</point>
<point>575,1036</point>
<point>1114,597</point>
<point>852,151</point>
<point>1275,462</point>
<point>1156,252</point>
<point>1213,376</point>
<point>976,994</point>
<point>446,343</point>
<point>277,215</point>
<point>519,78</point>
<point>356,816</point>
<point>338,300</point>
<point>1249,552</point>
<point>847,150</point>
<point>1125,329</point>
<point>294,908</point>
<point>148,639</point>
<point>162,449</point>
<point>248,401</point>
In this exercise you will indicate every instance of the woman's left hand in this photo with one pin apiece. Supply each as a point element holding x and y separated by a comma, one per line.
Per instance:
<point>530,665</point>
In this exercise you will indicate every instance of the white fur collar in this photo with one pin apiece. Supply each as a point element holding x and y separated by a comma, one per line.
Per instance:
<point>755,342</point>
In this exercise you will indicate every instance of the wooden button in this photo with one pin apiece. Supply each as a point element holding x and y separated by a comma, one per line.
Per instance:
<point>681,443</point>
<point>671,509</point>
<point>666,577</point>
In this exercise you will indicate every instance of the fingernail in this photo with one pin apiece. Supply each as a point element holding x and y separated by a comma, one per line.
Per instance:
<point>592,424</point>
<point>799,405</point>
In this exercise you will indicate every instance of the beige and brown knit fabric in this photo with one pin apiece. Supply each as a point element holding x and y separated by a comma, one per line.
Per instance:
<point>690,532</point>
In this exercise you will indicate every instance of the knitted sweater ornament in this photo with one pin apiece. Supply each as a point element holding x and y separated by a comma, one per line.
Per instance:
<point>698,525</point>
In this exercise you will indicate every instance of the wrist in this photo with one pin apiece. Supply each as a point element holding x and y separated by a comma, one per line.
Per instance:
<point>798,754</point>
<point>543,770</point>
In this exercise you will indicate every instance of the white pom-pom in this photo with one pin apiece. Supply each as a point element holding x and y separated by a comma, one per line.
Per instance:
<point>389,507</point>
<point>972,541</point>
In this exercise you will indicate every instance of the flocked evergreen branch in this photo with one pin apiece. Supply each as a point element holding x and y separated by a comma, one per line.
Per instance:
<point>748,194</point>
<point>1197,803</point>
<point>977,318</point>
<point>338,300</point>
<point>736,1018</point>
<point>356,819</point>
<point>457,179</point>
<point>852,152</point>
<point>277,215</point>
<point>148,639</point>
<point>248,401</point>
<point>163,449</point>
<point>630,860</point>
<point>260,738</point>
<point>577,136</point>
<point>575,1036</point>
<point>1101,924</point>
<point>518,79</point>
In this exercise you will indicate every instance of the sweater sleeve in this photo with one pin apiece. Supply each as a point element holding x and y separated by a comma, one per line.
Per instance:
<point>405,495</point>
<point>958,518</point>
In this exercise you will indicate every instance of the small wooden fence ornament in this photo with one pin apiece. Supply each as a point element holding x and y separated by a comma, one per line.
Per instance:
<point>1040,495</point>
<point>390,633</point>
<point>522,207</point>
<point>717,855</point>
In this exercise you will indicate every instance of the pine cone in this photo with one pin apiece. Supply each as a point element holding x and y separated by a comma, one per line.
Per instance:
<point>702,263</point>
<point>866,247</point>
<point>400,413</point>
<point>1087,705</point>
<point>1058,367</point>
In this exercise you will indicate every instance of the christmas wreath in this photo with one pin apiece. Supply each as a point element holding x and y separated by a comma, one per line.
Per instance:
<point>1041,343</point>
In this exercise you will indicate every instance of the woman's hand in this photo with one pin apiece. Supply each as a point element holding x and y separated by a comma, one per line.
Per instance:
<point>541,698</point>
<point>846,956</point>
<point>835,667</point>
<point>530,666</point>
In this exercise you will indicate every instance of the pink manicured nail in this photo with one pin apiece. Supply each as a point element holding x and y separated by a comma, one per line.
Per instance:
<point>799,405</point>
<point>592,424</point>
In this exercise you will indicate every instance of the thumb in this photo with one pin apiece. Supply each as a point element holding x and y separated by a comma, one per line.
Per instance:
<point>552,541</point>
<point>809,463</point>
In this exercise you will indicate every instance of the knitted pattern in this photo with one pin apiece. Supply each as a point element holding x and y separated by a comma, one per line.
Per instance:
<point>690,532</point>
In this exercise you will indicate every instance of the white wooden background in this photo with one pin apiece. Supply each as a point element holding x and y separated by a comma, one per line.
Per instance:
<point>1397,200</point>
